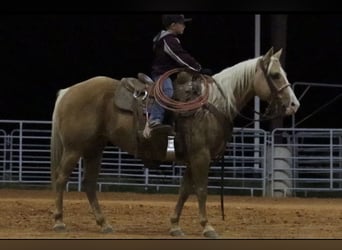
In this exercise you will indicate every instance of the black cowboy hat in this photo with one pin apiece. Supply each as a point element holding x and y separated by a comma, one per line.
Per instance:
<point>169,19</point>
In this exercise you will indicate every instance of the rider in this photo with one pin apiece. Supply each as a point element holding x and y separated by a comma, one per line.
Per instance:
<point>169,54</point>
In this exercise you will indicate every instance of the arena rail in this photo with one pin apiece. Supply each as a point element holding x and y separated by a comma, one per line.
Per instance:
<point>306,162</point>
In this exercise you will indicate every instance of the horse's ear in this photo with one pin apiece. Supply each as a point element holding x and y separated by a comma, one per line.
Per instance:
<point>269,53</point>
<point>144,78</point>
<point>267,57</point>
<point>278,54</point>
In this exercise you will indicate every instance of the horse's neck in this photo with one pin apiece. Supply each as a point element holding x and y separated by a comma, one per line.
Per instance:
<point>243,99</point>
<point>237,85</point>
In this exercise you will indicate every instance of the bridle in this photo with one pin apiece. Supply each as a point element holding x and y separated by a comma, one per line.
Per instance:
<point>274,101</point>
<point>275,95</point>
<point>274,90</point>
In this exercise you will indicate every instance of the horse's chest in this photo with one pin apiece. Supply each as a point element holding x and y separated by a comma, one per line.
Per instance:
<point>200,131</point>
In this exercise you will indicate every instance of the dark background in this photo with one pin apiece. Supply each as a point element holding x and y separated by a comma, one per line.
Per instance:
<point>43,52</point>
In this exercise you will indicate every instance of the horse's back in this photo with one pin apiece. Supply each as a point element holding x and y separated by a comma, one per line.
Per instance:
<point>84,95</point>
<point>93,86</point>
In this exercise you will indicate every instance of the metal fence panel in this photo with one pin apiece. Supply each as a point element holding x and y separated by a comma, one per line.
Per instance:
<point>25,160</point>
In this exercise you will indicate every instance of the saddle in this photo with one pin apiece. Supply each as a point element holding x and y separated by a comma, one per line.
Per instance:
<point>132,90</point>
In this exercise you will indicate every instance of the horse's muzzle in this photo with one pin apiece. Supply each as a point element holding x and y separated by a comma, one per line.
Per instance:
<point>292,109</point>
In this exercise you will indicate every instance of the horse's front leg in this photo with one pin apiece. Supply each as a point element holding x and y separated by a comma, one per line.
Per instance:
<point>184,192</point>
<point>200,169</point>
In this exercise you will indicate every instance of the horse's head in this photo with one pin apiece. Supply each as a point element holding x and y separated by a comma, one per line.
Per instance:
<point>271,85</point>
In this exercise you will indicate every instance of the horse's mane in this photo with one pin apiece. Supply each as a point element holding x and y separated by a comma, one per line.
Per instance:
<point>235,82</point>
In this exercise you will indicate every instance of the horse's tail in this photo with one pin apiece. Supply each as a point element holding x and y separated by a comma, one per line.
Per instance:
<point>56,142</point>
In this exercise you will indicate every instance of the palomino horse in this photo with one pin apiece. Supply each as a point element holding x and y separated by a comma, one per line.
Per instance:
<point>85,119</point>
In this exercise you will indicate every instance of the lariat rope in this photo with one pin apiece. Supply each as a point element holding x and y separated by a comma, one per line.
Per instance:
<point>178,106</point>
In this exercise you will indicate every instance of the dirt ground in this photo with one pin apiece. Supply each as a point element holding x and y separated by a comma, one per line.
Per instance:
<point>28,214</point>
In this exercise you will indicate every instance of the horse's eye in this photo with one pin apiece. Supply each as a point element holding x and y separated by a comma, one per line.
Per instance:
<point>276,75</point>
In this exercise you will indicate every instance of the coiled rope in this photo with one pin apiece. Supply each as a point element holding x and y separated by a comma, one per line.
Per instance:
<point>174,105</point>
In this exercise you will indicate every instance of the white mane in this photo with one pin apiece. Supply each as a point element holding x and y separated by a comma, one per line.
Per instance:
<point>235,82</point>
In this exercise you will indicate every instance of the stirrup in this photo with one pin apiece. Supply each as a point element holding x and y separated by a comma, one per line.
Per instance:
<point>154,123</point>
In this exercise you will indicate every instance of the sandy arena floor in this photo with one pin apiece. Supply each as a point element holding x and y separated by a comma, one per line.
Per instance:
<point>27,214</point>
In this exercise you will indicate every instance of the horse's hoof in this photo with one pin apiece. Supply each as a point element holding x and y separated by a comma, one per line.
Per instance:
<point>106,229</point>
<point>177,232</point>
<point>59,227</point>
<point>210,234</point>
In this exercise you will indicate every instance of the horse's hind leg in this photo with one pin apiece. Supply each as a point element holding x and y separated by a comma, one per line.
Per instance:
<point>67,164</point>
<point>184,192</point>
<point>91,172</point>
